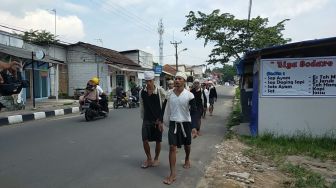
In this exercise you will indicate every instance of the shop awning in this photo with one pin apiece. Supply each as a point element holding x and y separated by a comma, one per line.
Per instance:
<point>125,68</point>
<point>26,54</point>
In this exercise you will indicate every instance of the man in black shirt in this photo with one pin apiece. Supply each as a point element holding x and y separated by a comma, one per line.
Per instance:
<point>212,96</point>
<point>151,99</point>
<point>201,104</point>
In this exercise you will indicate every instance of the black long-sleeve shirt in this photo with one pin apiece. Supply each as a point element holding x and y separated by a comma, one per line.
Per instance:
<point>213,93</point>
<point>200,98</point>
<point>152,108</point>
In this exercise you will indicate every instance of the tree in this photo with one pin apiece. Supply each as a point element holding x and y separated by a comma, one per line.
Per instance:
<point>39,37</point>
<point>232,37</point>
<point>228,71</point>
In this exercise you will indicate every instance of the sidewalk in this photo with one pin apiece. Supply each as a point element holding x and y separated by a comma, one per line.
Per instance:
<point>43,109</point>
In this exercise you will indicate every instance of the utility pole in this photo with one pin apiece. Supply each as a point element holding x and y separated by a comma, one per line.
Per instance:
<point>248,24</point>
<point>56,79</point>
<point>101,42</point>
<point>160,31</point>
<point>176,55</point>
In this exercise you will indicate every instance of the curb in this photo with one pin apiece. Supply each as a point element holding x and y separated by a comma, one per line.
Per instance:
<point>37,115</point>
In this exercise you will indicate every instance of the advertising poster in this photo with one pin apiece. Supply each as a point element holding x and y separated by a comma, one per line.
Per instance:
<point>298,77</point>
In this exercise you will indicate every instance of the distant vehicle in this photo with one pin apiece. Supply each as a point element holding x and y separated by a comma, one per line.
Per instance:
<point>227,84</point>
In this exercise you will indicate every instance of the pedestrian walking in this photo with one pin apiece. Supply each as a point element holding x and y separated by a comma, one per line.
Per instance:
<point>201,105</point>
<point>212,97</point>
<point>151,99</point>
<point>177,117</point>
<point>206,92</point>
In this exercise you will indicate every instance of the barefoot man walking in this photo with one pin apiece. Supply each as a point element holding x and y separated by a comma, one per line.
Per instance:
<point>177,116</point>
<point>151,98</point>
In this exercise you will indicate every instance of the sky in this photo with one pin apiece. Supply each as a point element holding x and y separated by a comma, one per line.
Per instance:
<point>133,24</point>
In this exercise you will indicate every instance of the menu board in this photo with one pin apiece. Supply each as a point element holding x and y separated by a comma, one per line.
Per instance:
<point>298,77</point>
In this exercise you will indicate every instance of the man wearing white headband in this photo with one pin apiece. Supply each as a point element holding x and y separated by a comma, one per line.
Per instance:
<point>177,117</point>
<point>151,99</point>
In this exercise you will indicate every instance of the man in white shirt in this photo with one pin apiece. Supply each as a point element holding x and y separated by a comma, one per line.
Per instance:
<point>180,102</point>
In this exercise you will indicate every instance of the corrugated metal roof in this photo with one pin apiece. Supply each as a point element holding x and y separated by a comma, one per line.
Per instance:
<point>111,56</point>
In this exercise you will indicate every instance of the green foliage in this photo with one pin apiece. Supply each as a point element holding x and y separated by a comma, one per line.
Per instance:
<point>39,37</point>
<point>228,71</point>
<point>231,36</point>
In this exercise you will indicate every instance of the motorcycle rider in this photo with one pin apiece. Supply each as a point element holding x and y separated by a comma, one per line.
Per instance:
<point>102,97</point>
<point>90,93</point>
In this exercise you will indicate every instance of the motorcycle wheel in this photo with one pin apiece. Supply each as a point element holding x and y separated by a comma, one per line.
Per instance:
<point>88,117</point>
<point>115,106</point>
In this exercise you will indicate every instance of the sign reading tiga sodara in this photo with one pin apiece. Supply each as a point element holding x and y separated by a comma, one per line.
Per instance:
<point>298,77</point>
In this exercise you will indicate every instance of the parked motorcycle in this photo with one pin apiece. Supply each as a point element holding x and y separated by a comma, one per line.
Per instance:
<point>132,102</point>
<point>121,101</point>
<point>92,109</point>
<point>11,90</point>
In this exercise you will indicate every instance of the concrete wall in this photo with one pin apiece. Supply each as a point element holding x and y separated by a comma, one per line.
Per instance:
<point>287,115</point>
<point>142,58</point>
<point>82,66</point>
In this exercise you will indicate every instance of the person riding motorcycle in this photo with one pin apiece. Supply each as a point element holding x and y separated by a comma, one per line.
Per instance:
<point>102,97</point>
<point>90,93</point>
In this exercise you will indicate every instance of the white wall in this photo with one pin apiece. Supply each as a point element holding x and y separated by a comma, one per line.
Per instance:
<point>290,115</point>
<point>287,115</point>
<point>82,66</point>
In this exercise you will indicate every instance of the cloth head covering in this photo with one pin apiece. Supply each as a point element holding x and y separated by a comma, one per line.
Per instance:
<point>196,81</point>
<point>170,82</point>
<point>182,75</point>
<point>149,75</point>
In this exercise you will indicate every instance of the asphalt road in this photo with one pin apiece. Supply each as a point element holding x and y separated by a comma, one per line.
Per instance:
<point>68,152</point>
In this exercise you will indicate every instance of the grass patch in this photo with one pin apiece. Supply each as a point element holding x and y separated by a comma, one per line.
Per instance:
<point>303,177</point>
<point>235,117</point>
<point>300,144</point>
<point>278,147</point>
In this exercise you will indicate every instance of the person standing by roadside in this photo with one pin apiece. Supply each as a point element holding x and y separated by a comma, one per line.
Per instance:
<point>201,104</point>
<point>177,117</point>
<point>151,99</point>
<point>170,85</point>
<point>212,97</point>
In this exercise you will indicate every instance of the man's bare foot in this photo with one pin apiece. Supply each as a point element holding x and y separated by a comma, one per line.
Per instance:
<point>186,164</point>
<point>199,133</point>
<point>156,163</point>
<point>169,180</point>
<point>193,133</point>
<point>147,164</point>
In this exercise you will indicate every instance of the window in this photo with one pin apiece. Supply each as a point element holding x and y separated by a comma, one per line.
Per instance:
<point>111,79</point>
<point>120,80</point>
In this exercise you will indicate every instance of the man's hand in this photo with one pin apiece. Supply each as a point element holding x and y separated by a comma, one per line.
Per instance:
<point>14,65</point>
<point>193,133</point>
<point>159,125</point>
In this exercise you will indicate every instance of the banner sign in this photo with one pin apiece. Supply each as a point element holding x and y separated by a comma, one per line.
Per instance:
<point>158,69</point>
<point>298,77</point>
